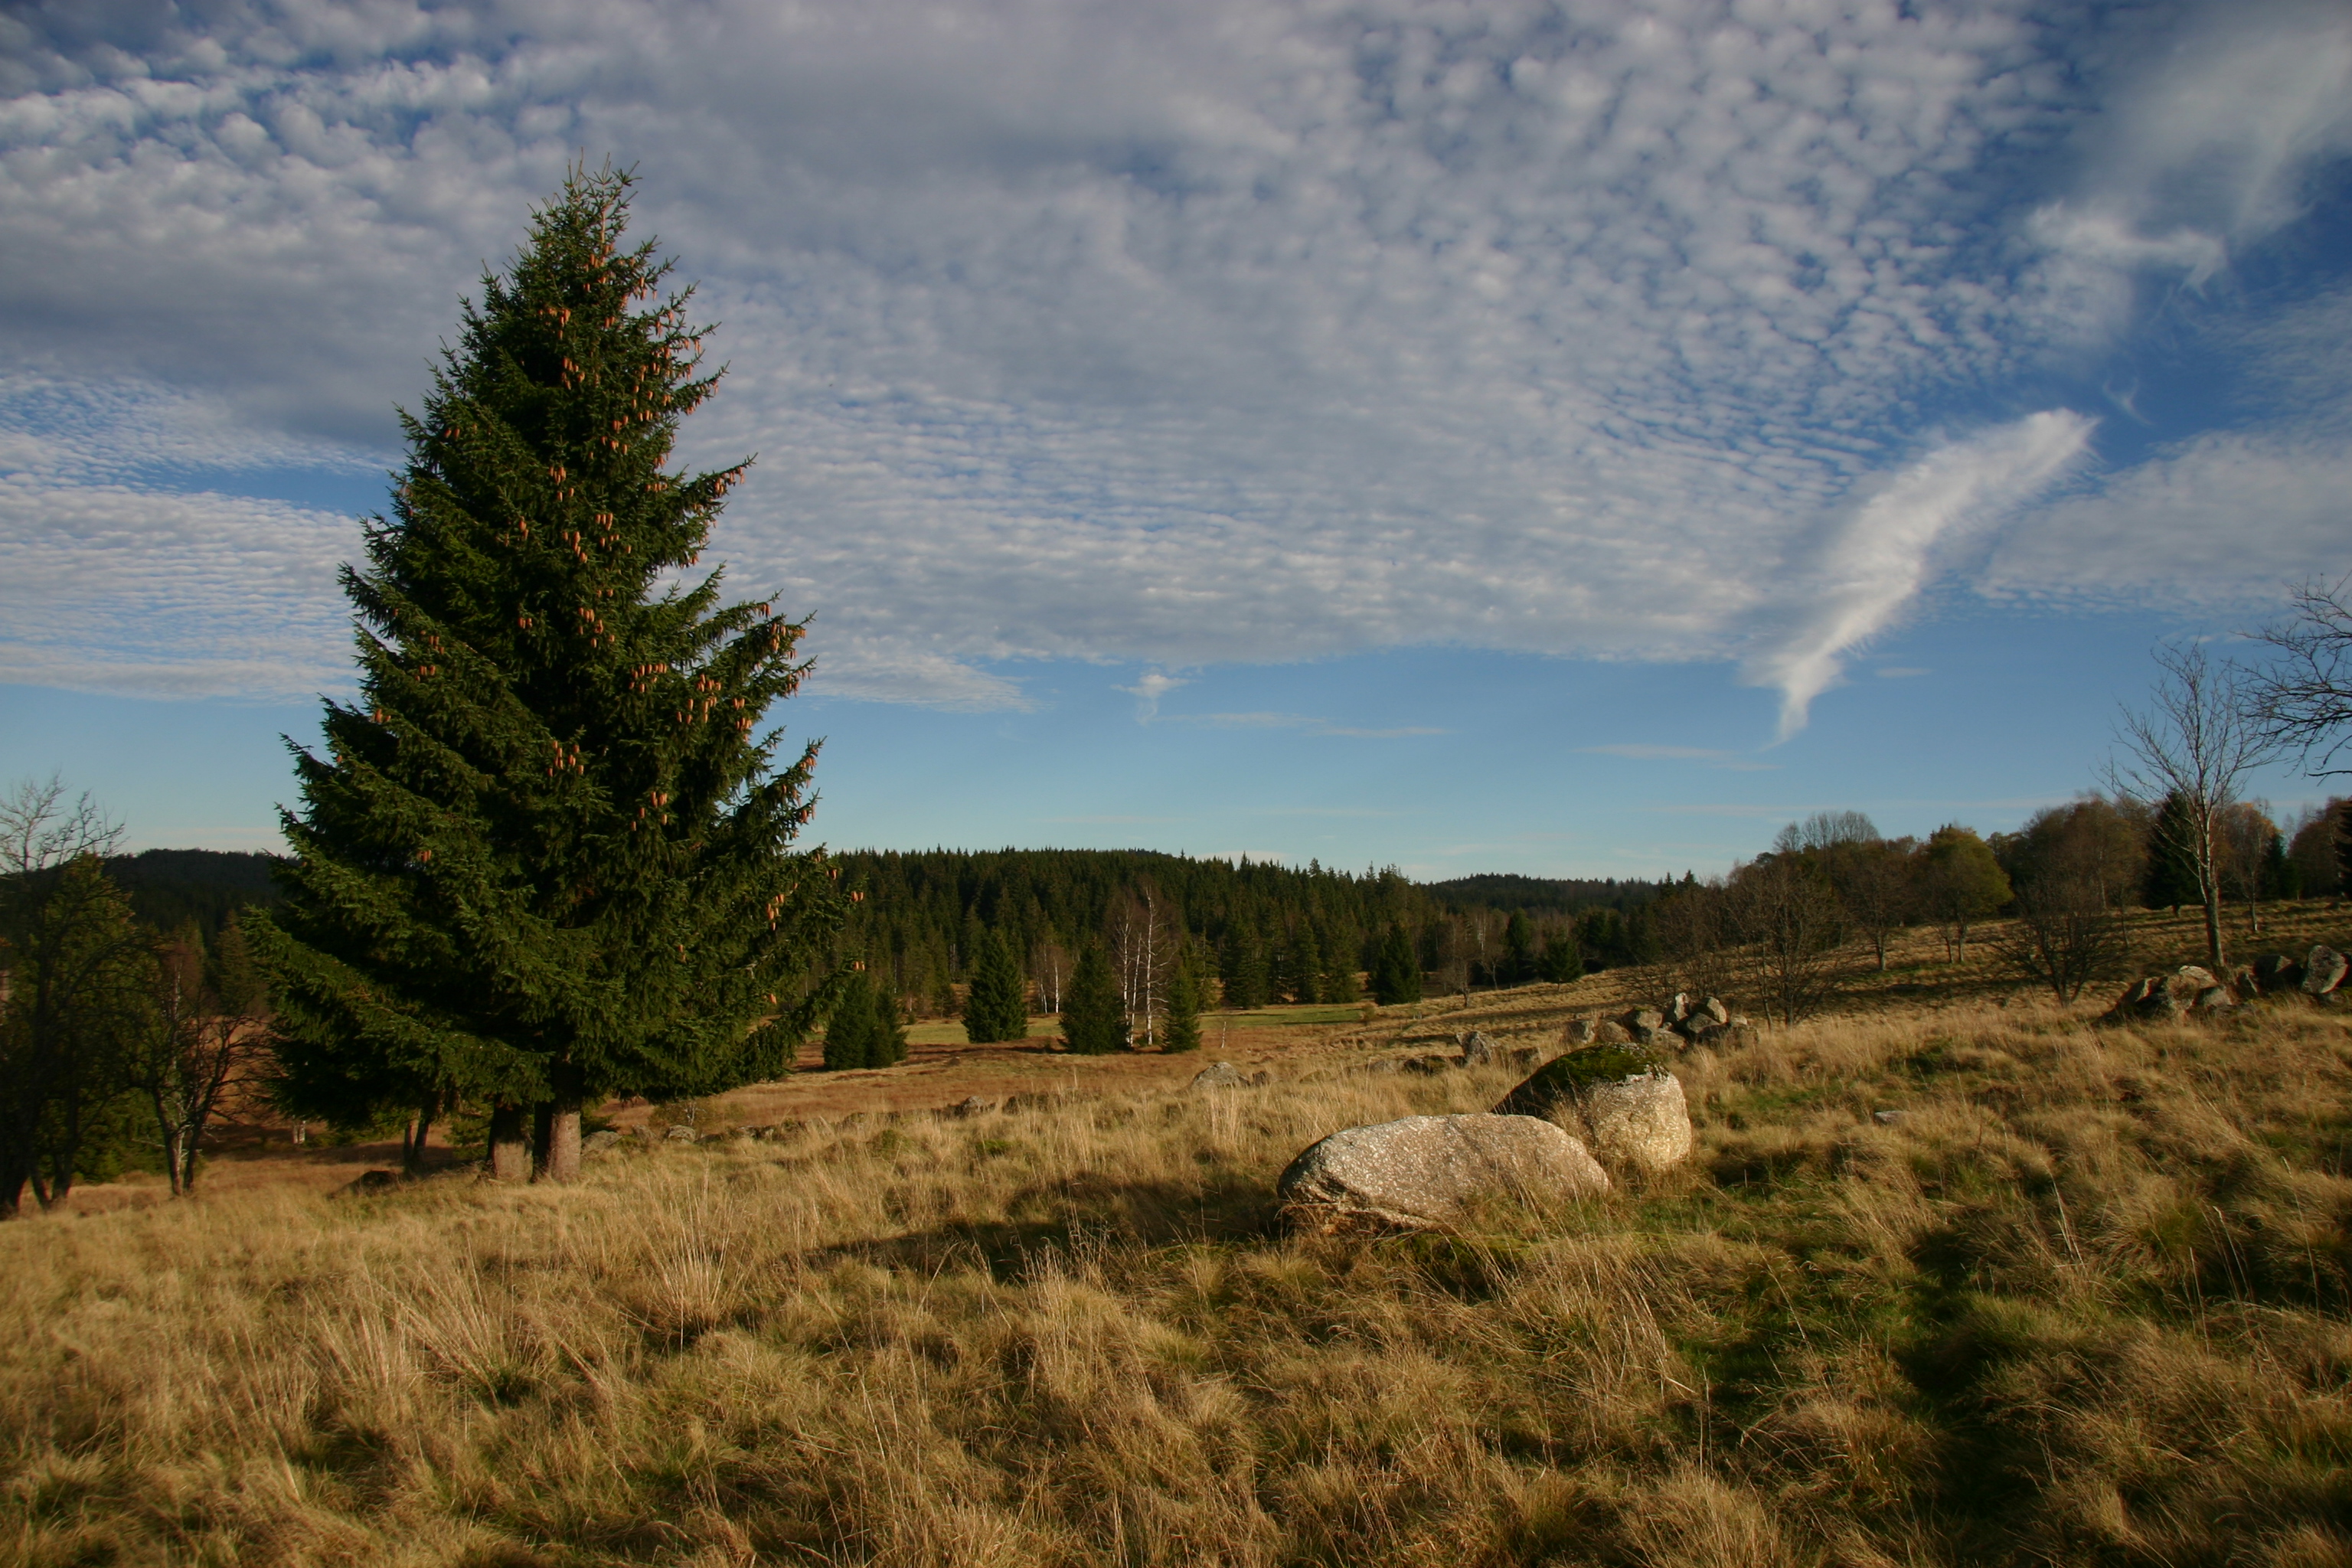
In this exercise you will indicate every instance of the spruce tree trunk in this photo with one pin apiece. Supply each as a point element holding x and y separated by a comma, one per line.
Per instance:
<point>559,1128</point>
<point>561,1156</point>
<point>510,1149</point>
<point>543,1137</point>
<point>412,1145</point>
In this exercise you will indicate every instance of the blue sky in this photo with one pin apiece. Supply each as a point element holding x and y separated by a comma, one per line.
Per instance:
<point>1565,438</point>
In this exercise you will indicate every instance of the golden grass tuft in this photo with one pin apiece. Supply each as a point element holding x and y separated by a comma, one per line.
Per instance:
<point>2087,1298</point>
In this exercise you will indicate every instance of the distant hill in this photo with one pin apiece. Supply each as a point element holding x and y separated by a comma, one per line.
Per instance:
<point>169,888</point>
<point>1538,895</point>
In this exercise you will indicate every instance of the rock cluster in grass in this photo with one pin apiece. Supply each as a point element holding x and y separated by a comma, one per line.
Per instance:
<point>2193,990</point>
<point>1478,1050</point>
<point>1684,1020</point>
<point>1619,1098</point>
<point>1422,1171</point>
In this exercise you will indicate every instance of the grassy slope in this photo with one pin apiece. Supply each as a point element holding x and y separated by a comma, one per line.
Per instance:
<point>2087,1299</point>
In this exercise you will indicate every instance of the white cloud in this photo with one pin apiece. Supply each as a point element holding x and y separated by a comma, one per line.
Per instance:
<point>112,588</point>
<point>1873,564</point>
<point>1170,336</point>
<point>1148,690</point>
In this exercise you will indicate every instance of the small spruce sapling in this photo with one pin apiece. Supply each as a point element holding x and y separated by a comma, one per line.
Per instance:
<point>1094,1023</point>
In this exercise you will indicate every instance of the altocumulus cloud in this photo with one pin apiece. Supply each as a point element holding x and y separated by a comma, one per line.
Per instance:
<point>1175,335</point>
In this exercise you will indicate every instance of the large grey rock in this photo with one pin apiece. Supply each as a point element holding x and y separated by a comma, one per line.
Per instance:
<point>1220,1074</point>
<point>1425,1170</point>
<point>1478,1051</point>
<point>1579,1032</point>
<point>1635,1019</point>
<point>2323,972</point>
<point>1628,1111</point>
<point>603,1138</point>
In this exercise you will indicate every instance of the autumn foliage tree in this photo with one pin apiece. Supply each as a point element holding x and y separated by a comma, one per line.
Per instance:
<point>545,856</point>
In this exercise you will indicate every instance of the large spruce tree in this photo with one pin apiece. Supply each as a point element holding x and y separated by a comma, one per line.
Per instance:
<point>545,856</point>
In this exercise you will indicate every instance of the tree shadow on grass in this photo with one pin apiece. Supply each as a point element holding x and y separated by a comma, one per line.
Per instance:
<point>1078,1218</point>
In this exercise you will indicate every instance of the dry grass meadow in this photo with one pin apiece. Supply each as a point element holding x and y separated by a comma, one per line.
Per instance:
<point>2086,1297</point>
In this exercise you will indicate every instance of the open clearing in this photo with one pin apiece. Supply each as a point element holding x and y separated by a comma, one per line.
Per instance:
<point>2087,1296</point>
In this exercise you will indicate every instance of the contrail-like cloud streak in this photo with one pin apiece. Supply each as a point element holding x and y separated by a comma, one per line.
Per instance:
<point>1881,557</point>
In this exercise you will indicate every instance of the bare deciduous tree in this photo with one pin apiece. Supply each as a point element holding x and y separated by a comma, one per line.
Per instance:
<point>1784,909</point>
<point>1874,881</point>
<point>2304,700</point>
<point>2196,744</point>
<point>2068,930</point>
<point>2246,836</point>
<point>1049,963</point>
<point>197,1039</point>
<point>1143,948</point>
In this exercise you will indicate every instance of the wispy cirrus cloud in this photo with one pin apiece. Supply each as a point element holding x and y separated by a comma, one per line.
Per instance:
<point>1875,563</point>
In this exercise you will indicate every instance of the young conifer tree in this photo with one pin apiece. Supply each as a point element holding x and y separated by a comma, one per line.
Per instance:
<point>1396,970</point>
<point>1181,1028</point>
<point>997,1006</point>
<point>1094,1021</point>
<point>865,1029</point>
<point>545,858</point>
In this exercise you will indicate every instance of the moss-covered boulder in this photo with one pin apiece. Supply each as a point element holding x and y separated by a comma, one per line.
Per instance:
<point>1620,1099</point>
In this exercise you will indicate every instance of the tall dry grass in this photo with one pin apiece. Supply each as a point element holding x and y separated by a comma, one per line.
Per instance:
<point>2087,1298</point>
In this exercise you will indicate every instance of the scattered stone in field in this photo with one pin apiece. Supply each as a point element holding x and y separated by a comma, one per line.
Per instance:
<point>2323,972</point>
<point>1629,1110</point>
<point>1633,1020</point>
<point>1887,1117</point>
<point>2215,999</point>
<point>681,1133</point>
<point>2165,998</point>
<point>2243,984</point>
<point>603,1138</point>
<point>1713,1011</point>
<point>1698,1028</point>
<point>1593,1032</point>
<point>2277,971</point>
<point>368,1183</point>
<point>1433,1062</point>
<point>971,1105</point>
<point>1425,1171</point>
<point>1220,1074</point>
<point>1478,1051</point>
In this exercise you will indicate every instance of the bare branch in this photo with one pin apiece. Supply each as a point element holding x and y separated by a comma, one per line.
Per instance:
<point>2195,747</point>
<point>2303,701</point>
<point>39,831</point>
